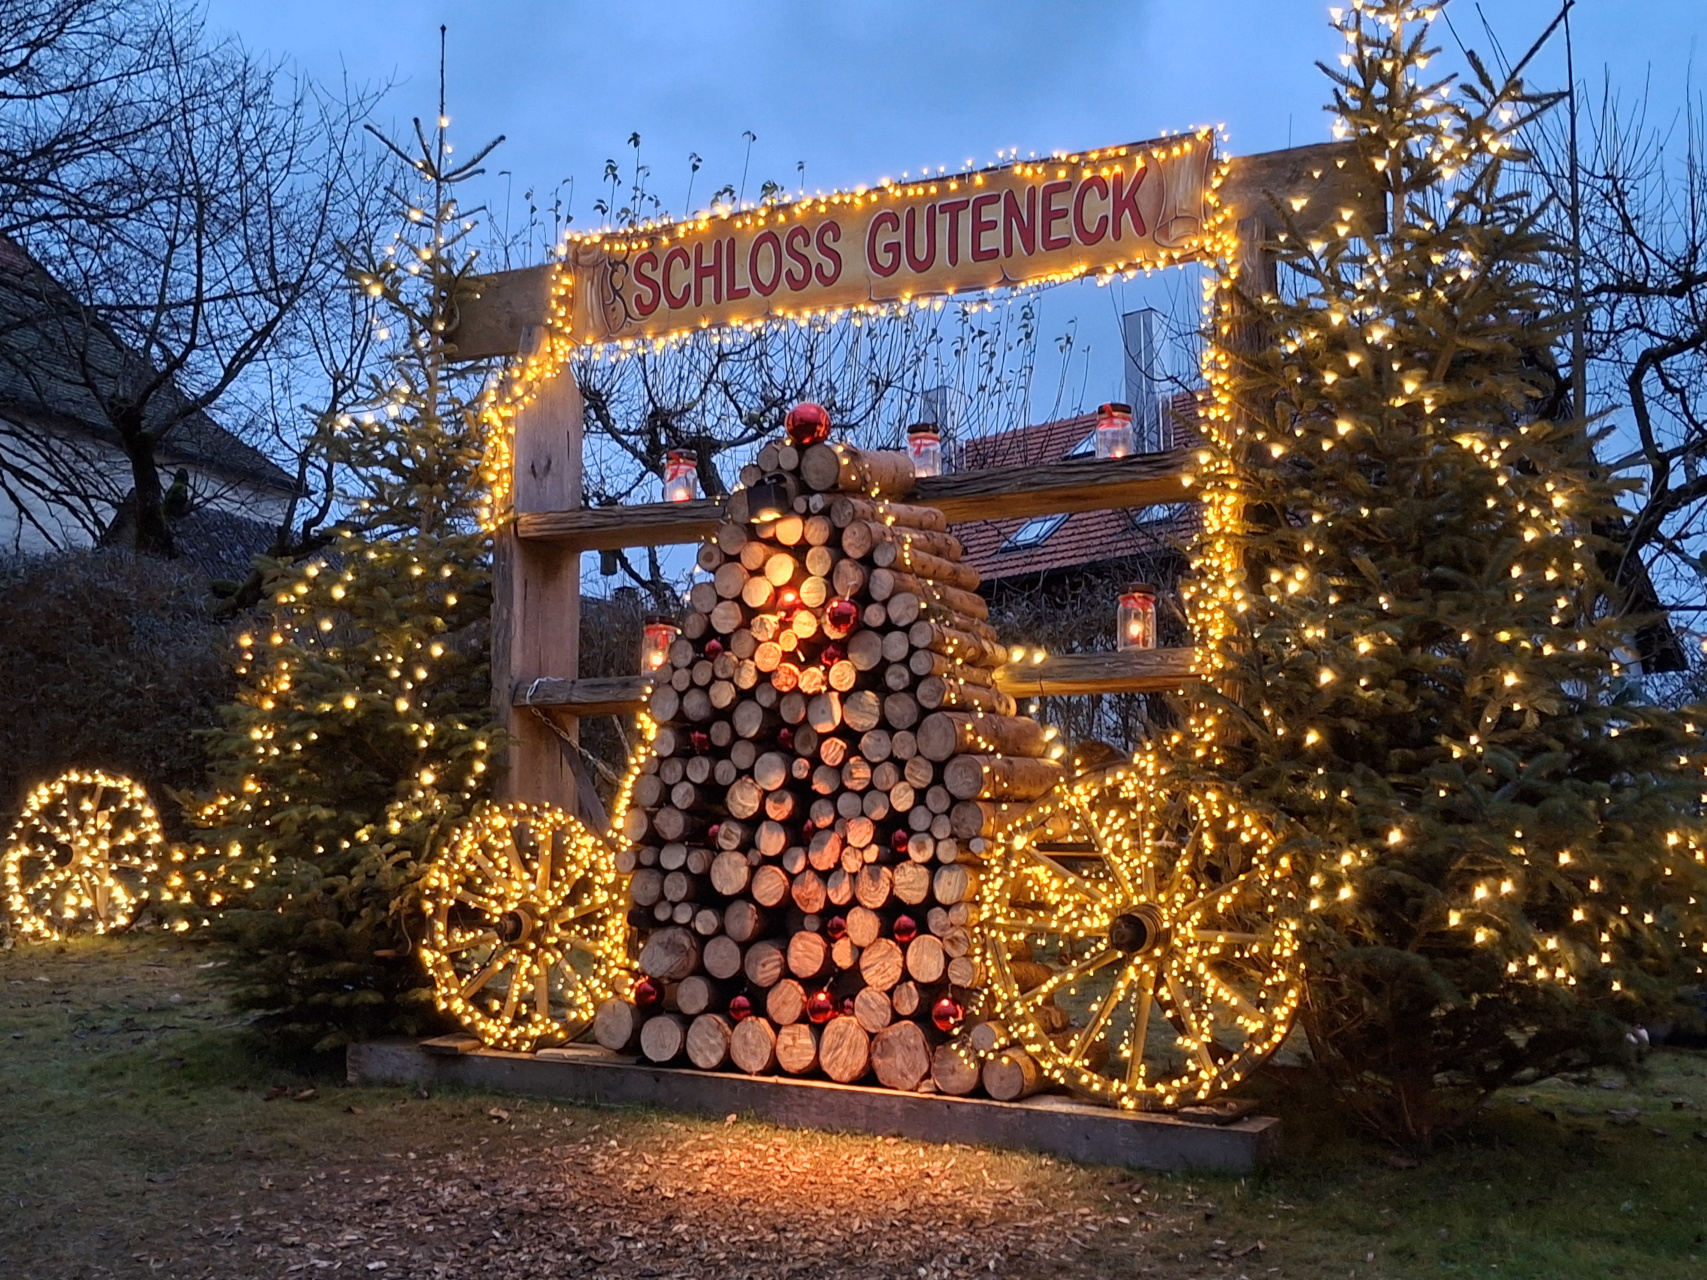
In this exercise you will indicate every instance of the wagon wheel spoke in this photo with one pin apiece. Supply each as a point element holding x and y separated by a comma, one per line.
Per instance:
<point>1024,924</point>
<point>1182,1008</point>
<point>1231,887</point>
<point>1083,969</point>
<point>484,937</point>
<point>542,988</point>
<point>479,902</point>
<point>1104,1011</point>
<point>580,942</point>
<point>1113,860</point>
<point>479,981</point>
<point>1141,1030</point>
<point>542,878</point>
<point>494,875</point>
<point>517,867</point>
<point>1231,996</point>
<point>1088,889</point>
<point>513,993</point>
<point>577,911</point>
<point>51,875</point>
<point>1225,935</point>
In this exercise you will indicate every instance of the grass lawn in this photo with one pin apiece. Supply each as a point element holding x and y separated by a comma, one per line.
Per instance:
<point>144,1133</point>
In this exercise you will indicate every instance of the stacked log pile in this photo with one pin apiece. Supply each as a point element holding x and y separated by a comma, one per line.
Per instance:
<point>804,847</point>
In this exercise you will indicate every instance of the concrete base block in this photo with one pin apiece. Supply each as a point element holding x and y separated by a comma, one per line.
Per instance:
<point>1054,1125</point>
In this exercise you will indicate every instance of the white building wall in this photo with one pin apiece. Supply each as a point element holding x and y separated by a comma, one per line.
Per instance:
<point>82,481</point>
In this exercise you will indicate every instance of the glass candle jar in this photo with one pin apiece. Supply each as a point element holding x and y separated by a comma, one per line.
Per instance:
<point>1137,617</point>
<point>1114,431</point>
<point>681,475</point>
<point>924,447</point>
<point>655,640</point>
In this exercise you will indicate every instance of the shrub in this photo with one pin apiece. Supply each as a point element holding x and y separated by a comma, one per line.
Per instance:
<point>112,661</point>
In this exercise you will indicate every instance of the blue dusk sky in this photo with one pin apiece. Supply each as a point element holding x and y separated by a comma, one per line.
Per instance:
<point>859,91</point>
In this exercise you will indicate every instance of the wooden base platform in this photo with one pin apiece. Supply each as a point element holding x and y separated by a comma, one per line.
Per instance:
<point>1053,1125</point>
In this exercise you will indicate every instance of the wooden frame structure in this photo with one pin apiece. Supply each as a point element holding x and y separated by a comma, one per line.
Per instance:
<point>536,581</point>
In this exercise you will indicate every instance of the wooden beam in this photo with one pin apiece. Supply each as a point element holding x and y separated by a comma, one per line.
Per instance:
<point>495,309</point>
<point>648,524</point>
<point>1079,484</point>
<point>536,603</point>
<point>1131,671</point>
<point>1128,671</point>
<point>598,696</point>
<point>1328,178</point>
<point>492,312</point>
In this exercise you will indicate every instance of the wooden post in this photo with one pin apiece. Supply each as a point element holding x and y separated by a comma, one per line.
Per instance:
<point>536,605</point>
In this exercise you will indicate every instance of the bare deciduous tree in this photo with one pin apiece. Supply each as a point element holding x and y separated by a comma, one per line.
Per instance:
<point>206,266</point>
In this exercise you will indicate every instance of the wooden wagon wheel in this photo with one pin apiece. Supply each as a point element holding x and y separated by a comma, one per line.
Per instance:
<point>81,854</point>
<point>1140,939</point>
<point>525,927</point>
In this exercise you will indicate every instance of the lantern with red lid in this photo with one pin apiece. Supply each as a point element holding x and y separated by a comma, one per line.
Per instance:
<point>924,447</point>
<point>656,637</point>
<point>1114,431</point>
<point>681,475</point>
<point>1137,617</point>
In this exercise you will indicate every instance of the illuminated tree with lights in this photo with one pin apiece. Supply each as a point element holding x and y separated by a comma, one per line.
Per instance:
<point>1502,846</point>
<point>364,729</point>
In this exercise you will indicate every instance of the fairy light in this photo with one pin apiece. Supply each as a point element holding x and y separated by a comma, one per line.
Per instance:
<point>525,933</point>
<point>530,371</point>
<point>1351,328</point>
<point>82,854</point>
<point>1143,959</point>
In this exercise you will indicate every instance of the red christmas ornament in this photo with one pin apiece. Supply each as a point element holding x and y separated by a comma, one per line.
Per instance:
<point>807,423</point>
<point>647,993</point>
<point>906,929</point>
<point>740,1008</point>
<point>785,736</point>
<point>713,647</point>
<point>898,841</point>
<point>701,741</point>
<point>840,617</point>
<point>831,655</point>
<point>711,832</point>
<point>947,1013</point>
<point>836,927</point>
<point>847,1006</point>
<point>820,1006</point>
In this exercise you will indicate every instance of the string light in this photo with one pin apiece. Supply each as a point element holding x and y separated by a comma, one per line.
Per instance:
<point>81,855</point>
<point>557,340</point>
<point>526,934</point>
<point>1141,934</point>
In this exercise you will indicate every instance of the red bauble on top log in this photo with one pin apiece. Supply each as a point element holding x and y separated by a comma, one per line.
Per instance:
<point>807,423</point>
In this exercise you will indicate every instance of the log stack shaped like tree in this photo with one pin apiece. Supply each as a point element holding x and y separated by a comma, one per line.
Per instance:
<point>804,848</point>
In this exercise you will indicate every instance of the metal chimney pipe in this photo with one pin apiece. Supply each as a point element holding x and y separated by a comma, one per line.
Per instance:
<point>1143,377</point>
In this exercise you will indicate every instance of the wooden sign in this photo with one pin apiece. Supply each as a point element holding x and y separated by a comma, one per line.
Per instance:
<point>1101,211</point>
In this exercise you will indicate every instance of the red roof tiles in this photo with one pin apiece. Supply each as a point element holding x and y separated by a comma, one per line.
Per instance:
<point>1083,538</point>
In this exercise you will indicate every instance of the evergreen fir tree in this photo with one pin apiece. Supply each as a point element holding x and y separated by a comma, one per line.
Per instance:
<point>1502,842</point>
<point>364,730</point>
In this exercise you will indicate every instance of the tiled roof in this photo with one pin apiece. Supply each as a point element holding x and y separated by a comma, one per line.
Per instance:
<point>45,335</point>
<point>1086,537</point>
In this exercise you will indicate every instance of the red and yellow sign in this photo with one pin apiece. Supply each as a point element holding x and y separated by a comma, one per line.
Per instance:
<point>1116,209</point>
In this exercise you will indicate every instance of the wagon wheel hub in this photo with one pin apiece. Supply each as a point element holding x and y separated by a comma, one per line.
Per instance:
<point>516,926</point>
<point>1139,930</point>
